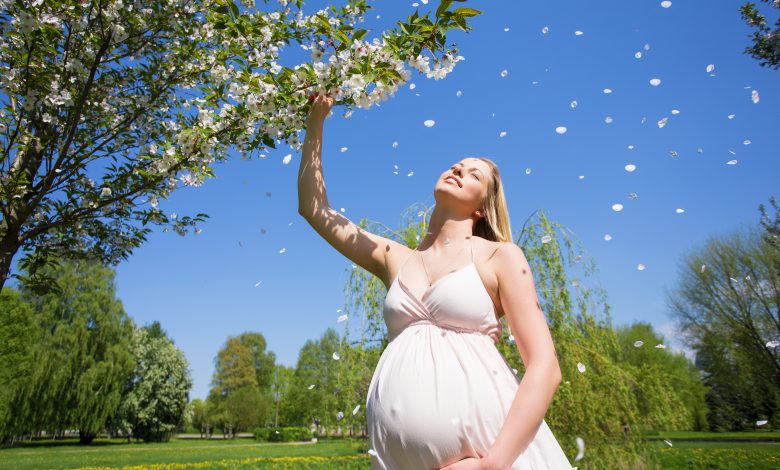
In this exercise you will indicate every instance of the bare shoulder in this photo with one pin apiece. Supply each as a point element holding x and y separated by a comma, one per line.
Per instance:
<point>489,251</point>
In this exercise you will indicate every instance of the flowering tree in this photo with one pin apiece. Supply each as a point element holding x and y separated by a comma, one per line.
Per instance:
<point>766,41</point>
<point>145,97</point>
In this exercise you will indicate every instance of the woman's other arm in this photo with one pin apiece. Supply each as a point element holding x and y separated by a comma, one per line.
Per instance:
<point>362,247</point>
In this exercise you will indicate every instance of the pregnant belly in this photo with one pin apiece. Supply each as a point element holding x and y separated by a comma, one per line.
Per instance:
<point>437,397</point>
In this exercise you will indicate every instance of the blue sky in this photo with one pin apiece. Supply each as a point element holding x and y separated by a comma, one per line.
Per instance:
<point>202,287</point>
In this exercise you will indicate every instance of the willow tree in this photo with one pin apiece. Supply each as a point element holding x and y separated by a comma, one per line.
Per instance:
<point>598,405</point>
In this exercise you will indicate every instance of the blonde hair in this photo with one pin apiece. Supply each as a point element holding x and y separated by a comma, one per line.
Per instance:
<point>494,225</point>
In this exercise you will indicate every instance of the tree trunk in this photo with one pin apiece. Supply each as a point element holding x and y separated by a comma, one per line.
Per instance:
<point>8,248</point>
<point>86,437</point>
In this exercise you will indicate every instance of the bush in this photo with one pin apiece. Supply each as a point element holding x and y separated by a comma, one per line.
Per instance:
<point>284,434</point>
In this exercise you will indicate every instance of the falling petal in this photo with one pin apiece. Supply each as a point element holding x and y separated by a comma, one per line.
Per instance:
<point>655,81</point>
<point>343,210</point>
<point>647,47</point>
<point>582,177</point>
<point>458,93</point>
<point>731,116</point>
<point>761,422</point>
<point>527,171</point>
<point>343,149</point>
<point>679,210</point>
<point>546,239</point>
<point>608,119</point>
<point>504,73</point>
<point>372,452</point>
<point>287,158</point>
<point>754,96</point>
<point>578,33</point>
<point>638,55</point>
<point>668,442</point>
<point>710,68</point>
<point>638,343</point>
<point>341,318</point>
<point>412,86</point>
<point>502,134</point>
<point>410,173</point>
<point>632,196</point>
<point>282,250</point>
<point>581,367</point>
<point>746,142</point>
<point>339,415</point>
<point>731,162</point>
<point>675,112</point>
<point>336,356</point>
<point>673,153</point>
<point>312,386</point>
<point>506,30</point>
<point>660,346</point>
<point>581,449</point>
<point>395,145</point>
<point>429,123</point>
<point>703,267</point>
<point>630,147</point>
<point>607,91</point>
<point>573,104</point>
<point>355,410</point>
<point>773,344</point>
<point>607,237</point>
<point>258,283</point>
<point>666,4</point>
<point>640,267</point>
<point>560,130</point>
<point>630,167</point>
<point>662,122</point>
<point>545,30</point>
<point>617,207</point>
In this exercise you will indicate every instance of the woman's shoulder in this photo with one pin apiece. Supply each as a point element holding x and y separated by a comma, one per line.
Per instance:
<point>487,250</point>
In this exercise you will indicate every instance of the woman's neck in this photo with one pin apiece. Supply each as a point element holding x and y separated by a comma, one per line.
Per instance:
<point>445,229</point>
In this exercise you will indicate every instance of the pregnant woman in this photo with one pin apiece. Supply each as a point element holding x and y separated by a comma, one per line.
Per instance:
<point>442,396</point>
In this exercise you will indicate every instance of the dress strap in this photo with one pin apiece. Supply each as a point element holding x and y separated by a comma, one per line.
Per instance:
<point>471,246</point>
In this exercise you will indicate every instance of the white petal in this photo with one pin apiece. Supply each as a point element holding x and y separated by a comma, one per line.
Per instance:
<point>754,96</point>
<point>640,267</point>
<point>458,93</point>
<point>617,207</point>
<point>573,104</point>
<point>545,30</point>
<point>608,119</point>
<point>607,237</point>
<point>607,91</point>
<point>638,343</point>
<point>666,4</point>
<point>560,130</point>
<point>527,171</point>
<point>343,149</point>
<point>655,81</point>
<point>578,33</point>
<point>342,318</point>
<point>662,122</point>
<point>336,356</point>
<point>502,134</point>
<point>630,167</point>
<point>504,73</point>
<point>638,55</point>
<point>731,162</point>
<point>355,410</point>
<point>429,123</point>
<point>546,239</point>
<point>287,158</point>
<point>710,68</point>
<point>581,367</point>
<point>679,210</point>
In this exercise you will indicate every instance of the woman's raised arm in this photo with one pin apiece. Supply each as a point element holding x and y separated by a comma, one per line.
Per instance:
<point>364,248</point>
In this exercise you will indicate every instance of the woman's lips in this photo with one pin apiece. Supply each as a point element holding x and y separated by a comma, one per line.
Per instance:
<point>450,178</point>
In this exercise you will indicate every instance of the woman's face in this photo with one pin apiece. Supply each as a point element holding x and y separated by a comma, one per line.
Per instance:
<point>464,184</point>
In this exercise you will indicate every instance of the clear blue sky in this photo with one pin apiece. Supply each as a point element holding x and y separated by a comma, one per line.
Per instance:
<point>202,288</point>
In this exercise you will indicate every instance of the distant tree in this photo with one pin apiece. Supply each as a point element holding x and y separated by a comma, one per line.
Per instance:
<point>200,418</point>
<point>262,361</point>
<point>766,41</point>
<point>280,391</point>
<point>771,227</point>
<point>83,354</point>
<point>667,387</point>
<point>18,333</point>
<point>156,394</point>
<point>726,302</point>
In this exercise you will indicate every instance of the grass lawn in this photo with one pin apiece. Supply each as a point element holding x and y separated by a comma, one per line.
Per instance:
<point>689,450</point>
<point>187,453</point>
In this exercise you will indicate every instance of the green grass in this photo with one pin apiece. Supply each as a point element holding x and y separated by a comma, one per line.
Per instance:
<point>689,450</point>
<point>116,453</point>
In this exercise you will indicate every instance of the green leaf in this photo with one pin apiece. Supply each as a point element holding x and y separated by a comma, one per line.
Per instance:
<point>234,8</point>
<point>359,34</point>
<point>443,7</point>
<point>467,12</point>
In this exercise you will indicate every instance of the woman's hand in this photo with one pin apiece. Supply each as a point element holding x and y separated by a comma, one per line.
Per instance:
<point>320,106</point>
<point>470,463</point>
